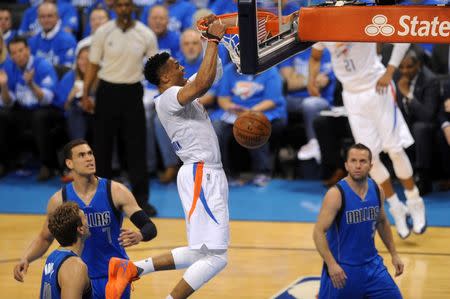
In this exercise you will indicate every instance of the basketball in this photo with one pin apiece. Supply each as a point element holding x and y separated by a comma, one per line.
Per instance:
<point>252,129</point>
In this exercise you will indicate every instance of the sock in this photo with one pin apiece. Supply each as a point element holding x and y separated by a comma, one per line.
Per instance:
<point>412,194</point>
<point>393,200</point>
<point>146,266</point>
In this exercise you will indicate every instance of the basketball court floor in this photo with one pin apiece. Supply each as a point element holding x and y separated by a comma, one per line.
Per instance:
<point>271,254</point>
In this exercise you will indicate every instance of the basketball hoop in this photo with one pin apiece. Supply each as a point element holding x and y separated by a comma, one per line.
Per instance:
<point>268,25</point>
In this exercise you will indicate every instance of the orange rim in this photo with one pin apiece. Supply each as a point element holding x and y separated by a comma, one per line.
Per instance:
<point>271,25</point>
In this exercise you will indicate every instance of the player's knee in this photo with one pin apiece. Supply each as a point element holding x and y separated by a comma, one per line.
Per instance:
<point>184,257</point>
<point>206,268</point>
<point>402,165</point>
<point>379,172</point>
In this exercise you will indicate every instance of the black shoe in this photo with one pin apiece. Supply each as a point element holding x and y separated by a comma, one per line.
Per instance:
<point>149,210</point>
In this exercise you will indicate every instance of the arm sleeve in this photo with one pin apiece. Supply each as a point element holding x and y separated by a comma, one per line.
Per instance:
<point>398,52</point>
<point>96,49</point>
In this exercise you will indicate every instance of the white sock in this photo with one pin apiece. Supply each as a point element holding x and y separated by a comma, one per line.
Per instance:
<point>169,297</point>
<point>412,194</point>
<point>146,265</point>
<point>393,200</point>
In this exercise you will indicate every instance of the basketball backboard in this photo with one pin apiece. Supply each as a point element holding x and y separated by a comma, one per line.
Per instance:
<point>259,52</point>
<point>359,21</point>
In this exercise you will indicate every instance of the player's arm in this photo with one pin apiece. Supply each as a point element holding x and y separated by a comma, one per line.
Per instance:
<point>398,52</point>
<point>72,288</point>
<point>314,70</point>
<point>40,244</point>
<point>330,207</point>
<point>124,200</point>
<point>384,230</point>
<point>207,71</point>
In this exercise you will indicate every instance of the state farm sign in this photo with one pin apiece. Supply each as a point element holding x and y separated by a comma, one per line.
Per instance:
<point>409,25</point>
<point>397,24</point>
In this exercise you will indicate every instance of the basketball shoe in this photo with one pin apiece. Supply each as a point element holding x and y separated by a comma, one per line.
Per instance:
<point>121,272</point>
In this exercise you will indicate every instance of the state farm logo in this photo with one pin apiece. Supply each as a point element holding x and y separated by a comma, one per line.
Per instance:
<point>379,26</point>
<point>409,26</point>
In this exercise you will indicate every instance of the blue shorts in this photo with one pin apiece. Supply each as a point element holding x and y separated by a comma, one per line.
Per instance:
<point>99,285</point>
<point>368,281</point>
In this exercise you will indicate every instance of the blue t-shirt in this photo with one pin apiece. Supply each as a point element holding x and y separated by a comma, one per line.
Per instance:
<point>67,13</point>
<point>58,49</point>
<point>44,76</point>
<point>249,90</point>
<point>181,15</point>
<point>104,222</point>
<point>351,236</point>
<point>63,89</point>
<point>169,42</point>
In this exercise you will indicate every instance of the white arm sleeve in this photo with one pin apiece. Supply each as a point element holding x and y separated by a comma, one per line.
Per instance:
<point>398,52</point>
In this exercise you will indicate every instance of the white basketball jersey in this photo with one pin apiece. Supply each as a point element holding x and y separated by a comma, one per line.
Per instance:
<point>189,128</point>
<point>356,65</point>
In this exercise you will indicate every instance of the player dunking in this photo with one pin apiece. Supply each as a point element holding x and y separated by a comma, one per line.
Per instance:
<point>344,235</point>
<point>202,184</point>
<point>375,120</point>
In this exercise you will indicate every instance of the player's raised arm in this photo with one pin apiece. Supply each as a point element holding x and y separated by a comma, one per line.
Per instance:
<point>40,243</point>
<point>207,71</point>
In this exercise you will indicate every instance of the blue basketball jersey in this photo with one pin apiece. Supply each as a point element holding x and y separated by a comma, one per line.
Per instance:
<point>104,222</point>
<point>50,288</point>
<point>351,236</point>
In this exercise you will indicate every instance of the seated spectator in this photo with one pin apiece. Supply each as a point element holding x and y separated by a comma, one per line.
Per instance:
<point>107,5</point>
<point>180,12</point>
<point>158,20</point>
<point>6,25</point>
<point>440,59</point>
<point>418,99</point>
<point>32,80</point>
<point>295,74</point>
<point>30,24</point>
<point>238,93</point>
<point>98,17</point>
<point>333,134</point>
<point>444,136</point>
<point>53,44</point>
<point>69,92</point>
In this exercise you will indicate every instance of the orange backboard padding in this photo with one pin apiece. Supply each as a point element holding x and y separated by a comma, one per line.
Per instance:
<point>401,24</point>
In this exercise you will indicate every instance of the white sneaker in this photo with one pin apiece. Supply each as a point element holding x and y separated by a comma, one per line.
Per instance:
<point>399,213</point>
<point>416,209</point>
<point>309,151</point>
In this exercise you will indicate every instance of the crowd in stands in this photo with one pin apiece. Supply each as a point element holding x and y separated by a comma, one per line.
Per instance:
<point>44,53</point>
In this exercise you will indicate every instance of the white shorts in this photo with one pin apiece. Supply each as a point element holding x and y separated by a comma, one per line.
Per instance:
<point>376,121</point>
<point>207,218</point>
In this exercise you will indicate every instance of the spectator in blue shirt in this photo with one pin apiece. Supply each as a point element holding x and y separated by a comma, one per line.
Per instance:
<point>32,80</point>
<point>98,17</point>
<point>180,12</point>
<point>30,24</point>
<point>6,25</point>
<point>53,43</point>
<point>295,73</point>
<point>68,95</point>
<point>158,21</point>
<point>238,93</point>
